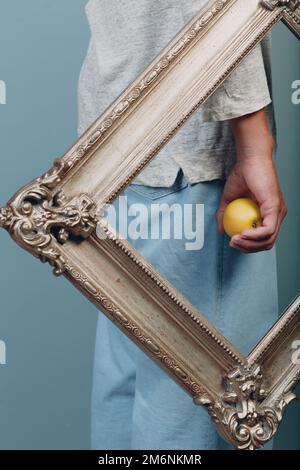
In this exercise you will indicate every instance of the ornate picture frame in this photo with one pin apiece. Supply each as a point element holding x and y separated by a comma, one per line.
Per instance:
<point>55,217</point>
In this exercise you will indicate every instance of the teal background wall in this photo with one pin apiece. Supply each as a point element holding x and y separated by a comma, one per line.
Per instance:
<point>286,69</point>
<point>48,326</point>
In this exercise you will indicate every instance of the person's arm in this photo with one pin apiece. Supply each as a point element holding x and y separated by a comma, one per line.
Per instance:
<point>254,175</point>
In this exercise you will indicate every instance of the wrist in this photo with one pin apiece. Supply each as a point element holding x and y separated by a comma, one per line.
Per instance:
<point>256,149</point>
<point>253,137</point>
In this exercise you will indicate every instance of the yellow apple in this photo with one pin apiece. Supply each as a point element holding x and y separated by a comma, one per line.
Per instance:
<point>241,214</point>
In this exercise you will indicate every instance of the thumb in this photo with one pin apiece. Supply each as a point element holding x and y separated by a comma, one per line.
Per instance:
<point>220,214</point>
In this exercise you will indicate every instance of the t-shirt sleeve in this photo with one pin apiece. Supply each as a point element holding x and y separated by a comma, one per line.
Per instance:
<point>245,91</point>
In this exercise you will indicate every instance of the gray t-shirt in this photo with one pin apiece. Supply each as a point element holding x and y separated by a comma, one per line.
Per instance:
<point>126,35</point>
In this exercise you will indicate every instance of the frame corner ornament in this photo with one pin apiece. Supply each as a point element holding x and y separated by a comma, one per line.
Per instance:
<point>240,414</point>
<point>40,219</point>
<point>291,12</point>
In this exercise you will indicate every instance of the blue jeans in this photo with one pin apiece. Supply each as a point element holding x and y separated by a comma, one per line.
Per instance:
<point>136,405</point>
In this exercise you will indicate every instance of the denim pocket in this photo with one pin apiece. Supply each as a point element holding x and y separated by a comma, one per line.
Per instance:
<point>153,193</point>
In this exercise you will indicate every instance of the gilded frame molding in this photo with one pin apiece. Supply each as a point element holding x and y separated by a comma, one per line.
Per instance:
<point>55,218</point>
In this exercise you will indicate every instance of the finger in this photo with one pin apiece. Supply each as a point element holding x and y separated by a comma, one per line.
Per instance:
<point>269,226</point>
<point>219,218</point>
<point>220,215</point>
<point>257,249</point>
<point>264,233</point>
<point>252,246</point>
<point>249,252</point>
<point>282,214</point>
<point>246,245</point>
<point>237,247</point>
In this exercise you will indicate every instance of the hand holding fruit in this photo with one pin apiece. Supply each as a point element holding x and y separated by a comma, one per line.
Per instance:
<point>253,227</point>
<point>254,177</point>
<point>240,215</point>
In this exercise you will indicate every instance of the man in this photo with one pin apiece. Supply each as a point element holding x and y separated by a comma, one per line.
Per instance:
<point>223,152</point>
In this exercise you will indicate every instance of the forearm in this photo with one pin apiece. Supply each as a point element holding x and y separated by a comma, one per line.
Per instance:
<point>252,136</point>
<point>254,176</point>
